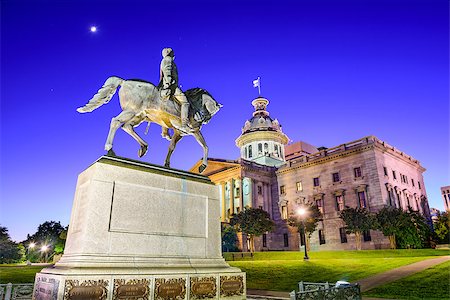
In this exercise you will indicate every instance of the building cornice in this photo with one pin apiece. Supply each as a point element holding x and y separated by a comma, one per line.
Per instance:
<point>347,149</point>
<point>257,136</point>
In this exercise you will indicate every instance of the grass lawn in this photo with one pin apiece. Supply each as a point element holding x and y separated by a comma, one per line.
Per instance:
<point>432,283</point>
<point>18,273</point>
<point>281,271</point>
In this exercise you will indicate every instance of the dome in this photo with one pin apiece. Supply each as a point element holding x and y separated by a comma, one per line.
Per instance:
<point>261,121</point>
<point>262,139</point>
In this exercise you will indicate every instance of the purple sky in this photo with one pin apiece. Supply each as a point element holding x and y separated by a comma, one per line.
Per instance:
<point>333,71</point>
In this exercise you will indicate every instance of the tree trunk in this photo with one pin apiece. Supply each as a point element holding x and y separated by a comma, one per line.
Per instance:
<point>392,241</point>
<point>358,240</point>
<point>252,243</point>
<point>308,244</point>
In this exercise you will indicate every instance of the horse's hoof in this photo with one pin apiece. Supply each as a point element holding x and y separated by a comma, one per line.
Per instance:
<point>202,168</point>
<point>111,153</point>
<point>143,151</point>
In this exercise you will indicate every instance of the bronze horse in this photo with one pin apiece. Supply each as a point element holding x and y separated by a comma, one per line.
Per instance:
<point>141,102</point>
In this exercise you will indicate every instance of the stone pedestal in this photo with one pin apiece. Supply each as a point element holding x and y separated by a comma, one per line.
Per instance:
<point>140,231</point>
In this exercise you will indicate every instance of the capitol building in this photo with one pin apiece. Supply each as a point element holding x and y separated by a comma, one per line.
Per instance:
<point>279,177</point>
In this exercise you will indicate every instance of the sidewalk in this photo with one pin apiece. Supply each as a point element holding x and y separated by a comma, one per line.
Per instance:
<point>365,283</point>
<point>395,274</point>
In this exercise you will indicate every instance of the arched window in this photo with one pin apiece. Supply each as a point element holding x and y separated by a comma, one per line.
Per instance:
<point>266,148</point>
<point>250,151</point>
<point>245,152</point>
<point>276,150</point>
<point>259,148</point>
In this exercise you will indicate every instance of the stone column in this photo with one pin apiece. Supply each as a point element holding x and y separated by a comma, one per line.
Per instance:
<point>231,196</point>
<point>223,202</point>
<point>251,191</point>
<point>241,193</point>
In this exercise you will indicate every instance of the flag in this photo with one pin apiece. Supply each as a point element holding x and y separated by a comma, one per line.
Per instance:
<point>256,83</point>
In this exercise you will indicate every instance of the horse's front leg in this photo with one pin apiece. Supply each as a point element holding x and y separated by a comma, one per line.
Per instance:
<point>123,117</point>
<point>173,142</point>
<point>129,128</point>
<point>201,140</point>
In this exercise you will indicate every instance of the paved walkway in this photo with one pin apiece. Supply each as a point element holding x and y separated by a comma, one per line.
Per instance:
<point>394,274</point>
<point>366,283</point>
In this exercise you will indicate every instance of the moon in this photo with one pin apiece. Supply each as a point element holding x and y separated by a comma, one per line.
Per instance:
<point>93,29</point>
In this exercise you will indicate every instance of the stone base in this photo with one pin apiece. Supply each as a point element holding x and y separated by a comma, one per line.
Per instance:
<point>179,286</point>
<point>140,231</point>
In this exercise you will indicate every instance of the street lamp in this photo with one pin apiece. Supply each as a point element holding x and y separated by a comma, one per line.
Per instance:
<point>302,212</point>
<point>27,254</point>
<point>44,249</point>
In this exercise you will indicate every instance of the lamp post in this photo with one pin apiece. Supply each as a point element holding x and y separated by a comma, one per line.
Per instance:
<point>302,212</point>
<point>44,249</point>
<point>30,246</point>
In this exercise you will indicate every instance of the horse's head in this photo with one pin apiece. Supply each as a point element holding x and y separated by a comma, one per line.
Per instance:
<point>211,105</point>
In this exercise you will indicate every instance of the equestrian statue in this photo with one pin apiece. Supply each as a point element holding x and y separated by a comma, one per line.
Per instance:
<point>165,104</point>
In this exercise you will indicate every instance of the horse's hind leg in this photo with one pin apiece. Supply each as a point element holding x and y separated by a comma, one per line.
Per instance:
<point>201,140</point>
<point>129,128</point>
<point>173,142</point>
<point>123,117</point>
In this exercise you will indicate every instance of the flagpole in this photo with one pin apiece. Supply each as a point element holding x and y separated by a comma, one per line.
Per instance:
<point>259,85</point>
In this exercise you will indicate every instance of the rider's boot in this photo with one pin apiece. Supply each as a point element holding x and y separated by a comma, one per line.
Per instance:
<point>184,117</point>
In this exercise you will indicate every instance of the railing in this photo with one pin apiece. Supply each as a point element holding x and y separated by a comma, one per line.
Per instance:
<point>16,291</point>
<point>323,291</point>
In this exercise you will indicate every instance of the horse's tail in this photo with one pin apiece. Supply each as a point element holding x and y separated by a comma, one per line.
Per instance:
<point>103,95</point>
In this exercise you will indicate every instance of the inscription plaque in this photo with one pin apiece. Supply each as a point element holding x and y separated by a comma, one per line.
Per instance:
<point>46,288</point>
<point>231,286</point>
<point>203,287</point>
<point>86,290</point>
<point>133,289</point>
<point>170,288</point>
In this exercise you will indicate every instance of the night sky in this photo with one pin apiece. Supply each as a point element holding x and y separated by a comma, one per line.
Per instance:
<point>333,71</point>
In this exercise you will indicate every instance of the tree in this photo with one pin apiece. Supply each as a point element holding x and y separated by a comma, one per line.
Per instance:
<point>357,220</point>
<point>312,218</point>
<point>442,228</point>
<point>9,250</point>
<point>229,239</point>
<point>253,222</point>
<point>389,221</point>
<point>414,230</point>
<point>51,234</point>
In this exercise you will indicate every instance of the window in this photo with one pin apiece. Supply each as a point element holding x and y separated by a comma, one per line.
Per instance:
<point>259,148</point>
<point>286,240</point>
<point>276,150</point>
<point>412,182</point>
<point>264,240</point>
<point>284,212</point>
<point>394,175</point>
<point>418,184</point>
<point>343,235</point>
<point>385,171</point>
<point>357,172</point>
<point>401,177</point>
<point>266,148</point>
<point>259,190</point>
<point>336,177</point>
<point>238,192</point>
<point>319,205</point>
<point>362,199</point>
<point>366,236</point>
<point>316,181</point>
<point>245,151</point>
<point>299,186</point>
<point>282,189</point>
<point>250,151</point>
<point>339,203</point>
<point>321,237</point>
